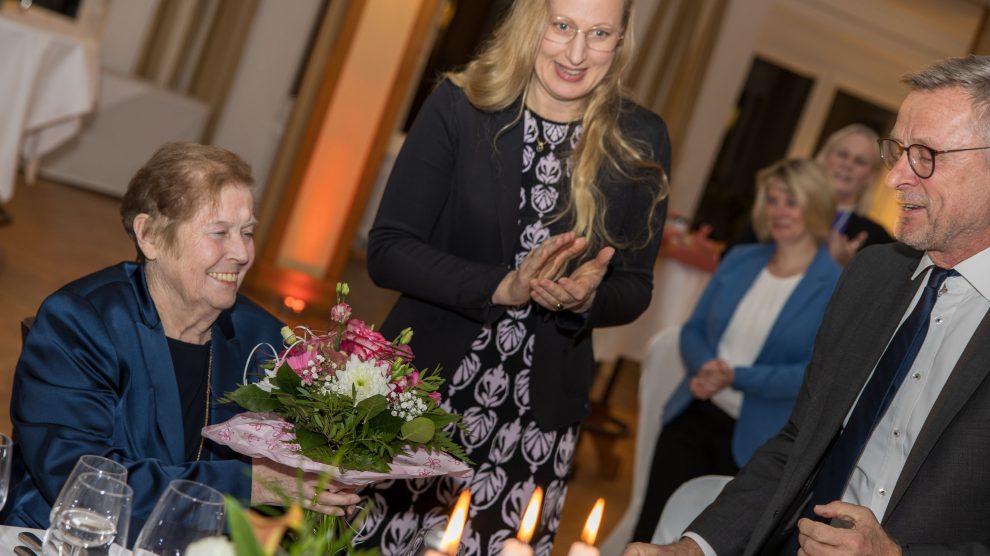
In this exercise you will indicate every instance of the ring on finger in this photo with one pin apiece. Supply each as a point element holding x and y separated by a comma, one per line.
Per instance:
<point>559,306</point>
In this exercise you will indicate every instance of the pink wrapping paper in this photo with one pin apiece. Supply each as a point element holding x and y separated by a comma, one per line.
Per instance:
<point>266,435</point>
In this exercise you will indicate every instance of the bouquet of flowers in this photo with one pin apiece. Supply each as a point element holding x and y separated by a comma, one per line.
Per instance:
<point>346,399</point>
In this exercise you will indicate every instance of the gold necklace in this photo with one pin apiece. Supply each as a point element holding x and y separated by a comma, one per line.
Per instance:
<point>206,410</point>
<point>539,144</point>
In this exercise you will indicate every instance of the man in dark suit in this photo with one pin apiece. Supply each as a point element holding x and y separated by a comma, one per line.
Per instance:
<point>886,449</point>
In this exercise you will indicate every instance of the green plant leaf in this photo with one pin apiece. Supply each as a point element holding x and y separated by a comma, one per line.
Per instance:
<point>308,439</point>
<point>286,379</point>
<point>252,398</point>
<point>245,543</point>
<point>370,407</point>
<point>419,430</point>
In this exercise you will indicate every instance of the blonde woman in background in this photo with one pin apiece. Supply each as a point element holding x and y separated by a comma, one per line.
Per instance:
<point>524,210</point>
<point>749,339</point>
<point>852,164</point>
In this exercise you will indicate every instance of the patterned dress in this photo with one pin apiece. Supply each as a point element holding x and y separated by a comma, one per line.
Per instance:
<point>490,388</point>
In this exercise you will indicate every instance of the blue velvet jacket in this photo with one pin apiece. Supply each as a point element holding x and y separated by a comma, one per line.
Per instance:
<point>96,377</point>
<point>771,384</point>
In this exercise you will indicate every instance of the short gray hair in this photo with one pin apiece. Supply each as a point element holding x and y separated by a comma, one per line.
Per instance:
<point>970,73</point>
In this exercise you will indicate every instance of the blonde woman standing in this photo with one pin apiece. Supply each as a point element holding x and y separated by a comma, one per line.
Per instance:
<point>524,210</point>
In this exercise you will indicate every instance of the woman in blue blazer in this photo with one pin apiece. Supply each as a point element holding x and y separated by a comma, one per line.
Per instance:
<point>127,363</point>
<point>750,337</point>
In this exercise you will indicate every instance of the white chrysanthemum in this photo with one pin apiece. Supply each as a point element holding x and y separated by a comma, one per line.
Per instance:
<point>364,378</point>
<point>210,546</point>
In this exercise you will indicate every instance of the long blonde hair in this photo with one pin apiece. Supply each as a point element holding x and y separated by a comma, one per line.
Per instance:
<point>501,74</point>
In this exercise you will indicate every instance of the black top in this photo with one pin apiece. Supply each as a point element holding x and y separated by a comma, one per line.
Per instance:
<point>191,362</point>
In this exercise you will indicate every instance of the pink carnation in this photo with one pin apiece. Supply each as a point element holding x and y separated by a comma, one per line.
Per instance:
<point>340,312</point>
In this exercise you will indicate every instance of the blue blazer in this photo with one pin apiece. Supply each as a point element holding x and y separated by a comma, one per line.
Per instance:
<point>772,383</point>
<point>96,377</point>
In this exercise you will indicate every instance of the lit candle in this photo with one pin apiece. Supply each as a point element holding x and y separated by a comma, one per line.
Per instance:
<point>586,546</point>
<point>455,526</point>
<point>519,546</point>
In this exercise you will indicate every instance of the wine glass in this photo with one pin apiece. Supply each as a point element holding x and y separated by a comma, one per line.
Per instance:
<point>94,513</point>
<point>6,455</point>
<point>186,512</point>
<point>88,464</point>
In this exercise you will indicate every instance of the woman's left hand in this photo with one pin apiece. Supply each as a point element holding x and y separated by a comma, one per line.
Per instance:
<point>575,292</point>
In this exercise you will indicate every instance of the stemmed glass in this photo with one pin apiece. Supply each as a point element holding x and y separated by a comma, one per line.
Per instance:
<point>94,514</point>
<point>6,456</point>
<point>186,512</point>
<point>88,464</point>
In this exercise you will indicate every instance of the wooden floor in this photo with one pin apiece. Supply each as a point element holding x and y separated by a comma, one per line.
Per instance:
<point>60,233</point>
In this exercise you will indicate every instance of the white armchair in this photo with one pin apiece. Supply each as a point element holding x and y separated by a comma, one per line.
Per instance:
<point>660,373</point>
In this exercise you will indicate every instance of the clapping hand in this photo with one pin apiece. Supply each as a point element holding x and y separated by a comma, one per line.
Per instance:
<point>843,249</point>
<point>575,292</point>
<point>544,262</point>
<point>712,377</point>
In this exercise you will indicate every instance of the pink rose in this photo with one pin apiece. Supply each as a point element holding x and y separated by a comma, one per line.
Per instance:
<point>359,339</point>
<point>435,396</point>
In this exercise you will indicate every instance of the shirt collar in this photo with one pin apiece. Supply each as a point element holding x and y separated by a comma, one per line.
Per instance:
<point>976,270</point>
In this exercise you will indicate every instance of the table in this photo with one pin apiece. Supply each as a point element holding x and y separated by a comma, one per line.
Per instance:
<point>8,538</point>
<point>676,289</point>
<point>49,72</point>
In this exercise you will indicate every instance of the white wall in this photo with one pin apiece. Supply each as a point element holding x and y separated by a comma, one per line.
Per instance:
<point>861,47</point>
<point>124,35</point>
<point>259,104</point>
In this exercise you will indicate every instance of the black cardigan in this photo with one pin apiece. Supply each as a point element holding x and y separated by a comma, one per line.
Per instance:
<point>447,226</point>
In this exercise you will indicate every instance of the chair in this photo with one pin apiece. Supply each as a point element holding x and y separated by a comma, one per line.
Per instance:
<point>689,500</point>
<point>660,373</point>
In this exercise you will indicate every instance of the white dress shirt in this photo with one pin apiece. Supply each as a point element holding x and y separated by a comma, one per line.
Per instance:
<point>962,303</point>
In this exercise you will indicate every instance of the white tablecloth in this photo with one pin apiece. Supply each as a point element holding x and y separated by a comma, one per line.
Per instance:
<point>676,289</point>
<point>8,538</point>
<point>48,78</point>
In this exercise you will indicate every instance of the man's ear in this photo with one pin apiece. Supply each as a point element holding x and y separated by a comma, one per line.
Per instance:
<point>147,240</point>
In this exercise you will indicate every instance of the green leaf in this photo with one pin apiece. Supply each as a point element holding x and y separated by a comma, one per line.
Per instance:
<point>286,379</point>
<point>370,407</point>
<point>387,423</point>
<point>252,398</point>
<point>419,430</point>
<point>308,439</point>
<point>245,543</point>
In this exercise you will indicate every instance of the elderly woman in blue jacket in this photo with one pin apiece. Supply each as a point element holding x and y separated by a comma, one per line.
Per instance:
<point>128,362</point>
<point>750,337</point>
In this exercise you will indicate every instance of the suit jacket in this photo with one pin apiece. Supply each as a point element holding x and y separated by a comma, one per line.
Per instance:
<point>875,233</point>
<point>771,383</point>
<point>941,502</point>
<point>446,230</point>
<point>96,377</point>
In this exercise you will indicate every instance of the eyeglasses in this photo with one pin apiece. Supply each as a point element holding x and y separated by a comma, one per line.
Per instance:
<point>562,31</point>
<point>920,158</point>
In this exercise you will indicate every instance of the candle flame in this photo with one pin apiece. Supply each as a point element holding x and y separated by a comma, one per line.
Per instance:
<point>455,527</point>
<point>528,525</point>
<point>594,520</point>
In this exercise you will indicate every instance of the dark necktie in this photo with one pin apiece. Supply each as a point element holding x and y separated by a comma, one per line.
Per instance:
<point>873,402</point>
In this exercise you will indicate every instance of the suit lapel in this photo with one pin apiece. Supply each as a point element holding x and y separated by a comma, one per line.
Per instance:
<point>158,361</point>
<point>967,375</point>
<point>506,167</point>
<point>814,280</point>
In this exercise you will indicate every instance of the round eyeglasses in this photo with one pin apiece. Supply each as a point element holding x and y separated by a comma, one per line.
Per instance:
<point>562,30</point>
<point>920,157</point>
